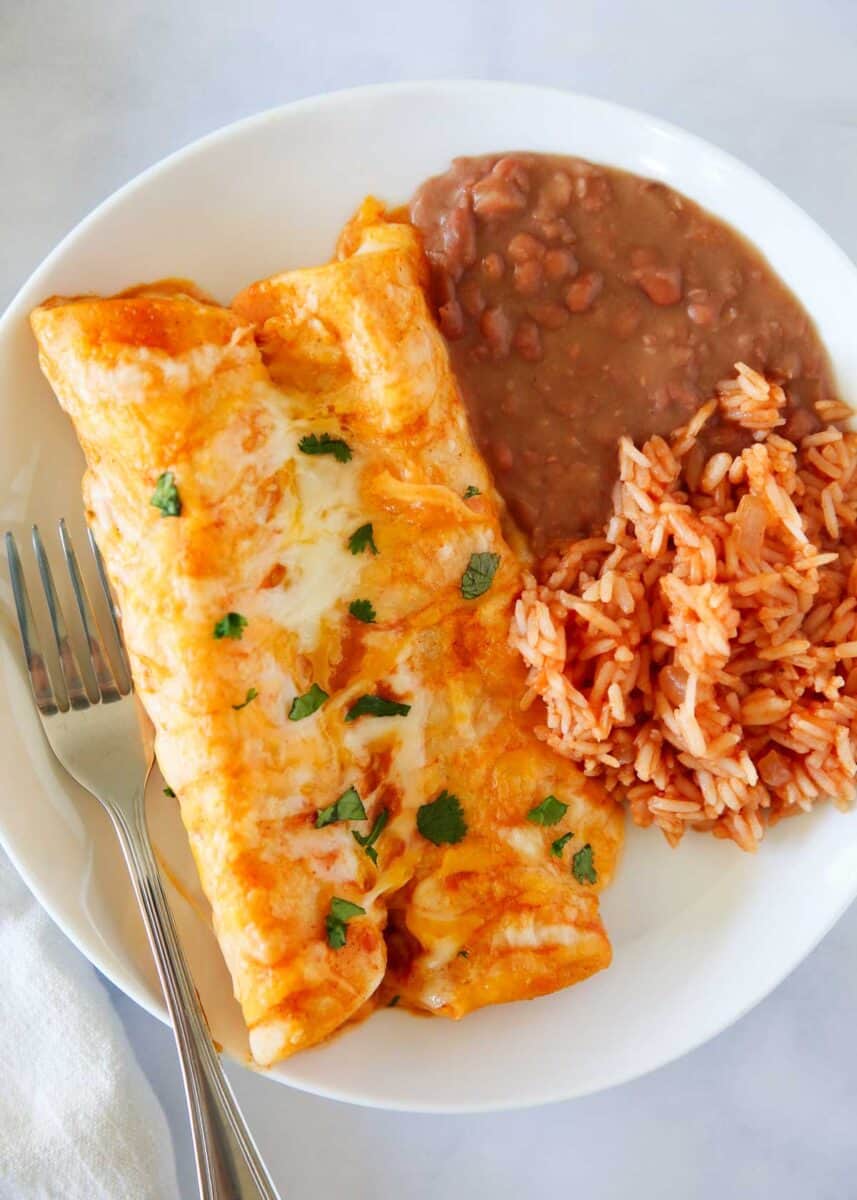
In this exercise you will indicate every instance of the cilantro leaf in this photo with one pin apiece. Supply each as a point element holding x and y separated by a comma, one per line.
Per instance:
<point>559,844</point>
<point>344,910</point>
<point>363,539</point>
<point>231,626</point>
<point>325,816</point>
<point>376,706</point>
<point>349,807</point>
<point>362,610</point>
<point>392,1003</point>
<point>308,703</point>
<point>166,496</point>
<point>168,791</point>
<point>368,840</point>
<point>336,921</point>
<point>442,820</point>
<point>479,575</point>
<point>337,932</point>
<point>313,444</point>
<point>472,491</point>
<point>583,865</point>
<point>251,695</point>
<point>548,812</point>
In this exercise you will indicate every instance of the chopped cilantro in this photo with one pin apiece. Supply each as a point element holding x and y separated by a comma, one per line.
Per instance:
<point>548,812</point>
<point>308,703</point>
<point>376,706</point>
<point>559,844</point>
<point>230,626</point>
<point>251,695</point>
<point>168,791</point>
<point>313,444</point>
<point>362,610</point>
<point>394,1001</point>
<point>349,807</point>
<point>583,865</point>
<point>442,821</point>
<point>472,491</point>
<point>362,539</point>
<point>336,921</point>
<point>479,575</point>
<point>368,840</point>
<point>166,496</point>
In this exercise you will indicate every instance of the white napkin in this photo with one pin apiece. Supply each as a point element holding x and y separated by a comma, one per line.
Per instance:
<point>78,1119</point>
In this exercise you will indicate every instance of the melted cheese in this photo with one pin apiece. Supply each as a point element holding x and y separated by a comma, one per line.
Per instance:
<point>532,935</point>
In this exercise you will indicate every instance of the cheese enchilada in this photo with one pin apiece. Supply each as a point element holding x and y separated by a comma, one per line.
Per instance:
<point>315,588</point>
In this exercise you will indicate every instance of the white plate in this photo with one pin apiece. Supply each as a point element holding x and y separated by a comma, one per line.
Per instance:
<point>700,934</point>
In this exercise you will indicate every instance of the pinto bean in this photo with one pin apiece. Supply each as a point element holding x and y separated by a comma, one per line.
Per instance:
<point>555,195</point>
<point>470,297</point>
<point>527,340</point>
<point>451,320</point>
<point>557,230</point>
<point>459,240</point>
<point>799,423</point>
<point>703,308</point>
<point>560,264</point>
<point>523,247</point>
<point>584,291</point>
<point>497,331</point>
<point>593,191</point>
<point>512,169</point>
<point>661,284</point>
<point>528,277</point>
<point>493,266</point>
<point>503,191</point>
<point>442,284</point>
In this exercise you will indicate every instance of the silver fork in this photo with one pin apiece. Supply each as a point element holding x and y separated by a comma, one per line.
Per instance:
<point>106,746</point>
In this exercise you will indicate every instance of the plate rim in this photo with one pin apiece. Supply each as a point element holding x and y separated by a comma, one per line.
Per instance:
<point>19,305</point>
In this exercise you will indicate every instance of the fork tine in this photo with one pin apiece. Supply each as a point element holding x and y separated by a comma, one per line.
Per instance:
<point>69,669</point>
<point>100,664</point>
<point>40,679</point>
<point>125,681</point>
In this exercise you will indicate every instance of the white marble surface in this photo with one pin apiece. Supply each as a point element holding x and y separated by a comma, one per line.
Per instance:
<point>93,91</point>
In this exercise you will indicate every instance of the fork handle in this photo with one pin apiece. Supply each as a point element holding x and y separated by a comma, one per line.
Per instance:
<point>228,1164</point>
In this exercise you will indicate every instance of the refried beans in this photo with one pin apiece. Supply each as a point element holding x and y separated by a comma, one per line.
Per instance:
<point>582,302</point>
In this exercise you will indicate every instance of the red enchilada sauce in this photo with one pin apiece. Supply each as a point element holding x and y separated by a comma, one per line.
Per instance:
<point>582,302</point>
